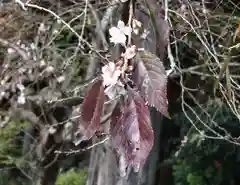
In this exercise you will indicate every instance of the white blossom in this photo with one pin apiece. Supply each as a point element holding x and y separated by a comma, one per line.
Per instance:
<point>59,21</point>
<point>60,79</point>
<point>55,31</point>
<point>118,34</point>
<point>18,42</point>
<point>130,52</point>
<point>110,74</point>
<point>42,63</point>
<point>21,99</point>
<point>23,46</point>
<point>52,130</point>
<point>111,80</point>
<point>33,46</point>
<point>50,69</point>
<point>2,94</point>
<point>20,87</point>
<point>22,70</point>
<point>42,28</point>
<point>10,51</point>
<point>2,82</point>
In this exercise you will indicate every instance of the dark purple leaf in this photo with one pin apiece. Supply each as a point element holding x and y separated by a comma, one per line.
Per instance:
<point>150,78</point>
<point>91,110</point>
<point>125,130</point>
<point>145,129</point>
<point>131,132</point>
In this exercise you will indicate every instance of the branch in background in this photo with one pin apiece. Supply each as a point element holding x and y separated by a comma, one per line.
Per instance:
<point>224,67</point>
<point>20,51</point>
<point>99,31</point>
<point>84,149</point>
<point>71,101</point>
<point>93,63</point>
<point>21,113</point>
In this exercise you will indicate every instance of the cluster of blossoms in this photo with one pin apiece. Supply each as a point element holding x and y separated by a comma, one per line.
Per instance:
<point>112,72</point>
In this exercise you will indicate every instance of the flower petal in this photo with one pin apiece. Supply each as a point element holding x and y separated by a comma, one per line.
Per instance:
<point>114,31</point>
<point>113,40</point>
<point>121,25</point>
<point>119,39</point>
<point>110,74</point>
<point>127,30</point>
<point>104,69</point>
<point>116,75</point>
<point>111,66</point>
<point>130,52</point>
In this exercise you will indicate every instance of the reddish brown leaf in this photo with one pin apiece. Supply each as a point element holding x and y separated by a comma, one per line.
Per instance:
<point>145,129</point>
<point>150,78</point>
<point>91,110</point>
<point>131,132</point>
<point>125,130</point>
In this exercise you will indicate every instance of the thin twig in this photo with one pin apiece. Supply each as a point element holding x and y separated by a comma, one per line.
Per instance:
<point>21,52</point>
<point>84,149</point>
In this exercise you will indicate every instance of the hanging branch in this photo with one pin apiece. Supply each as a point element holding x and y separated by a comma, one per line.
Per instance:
<point>137,79</point>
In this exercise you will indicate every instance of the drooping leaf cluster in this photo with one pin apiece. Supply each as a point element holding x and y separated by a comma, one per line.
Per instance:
<point>137,79</point>
<point>130,126</point>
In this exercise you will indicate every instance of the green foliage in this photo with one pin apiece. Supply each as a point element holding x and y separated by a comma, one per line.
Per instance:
<point>204,161</point>
<point>9,136</point>
<point>198,173</point>
<point>10,153</point>
<point>72,177</point>
<point>3,177</point>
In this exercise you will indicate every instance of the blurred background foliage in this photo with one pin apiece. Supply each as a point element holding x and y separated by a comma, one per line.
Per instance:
<point>204,161</point>
<point>72,177</point>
